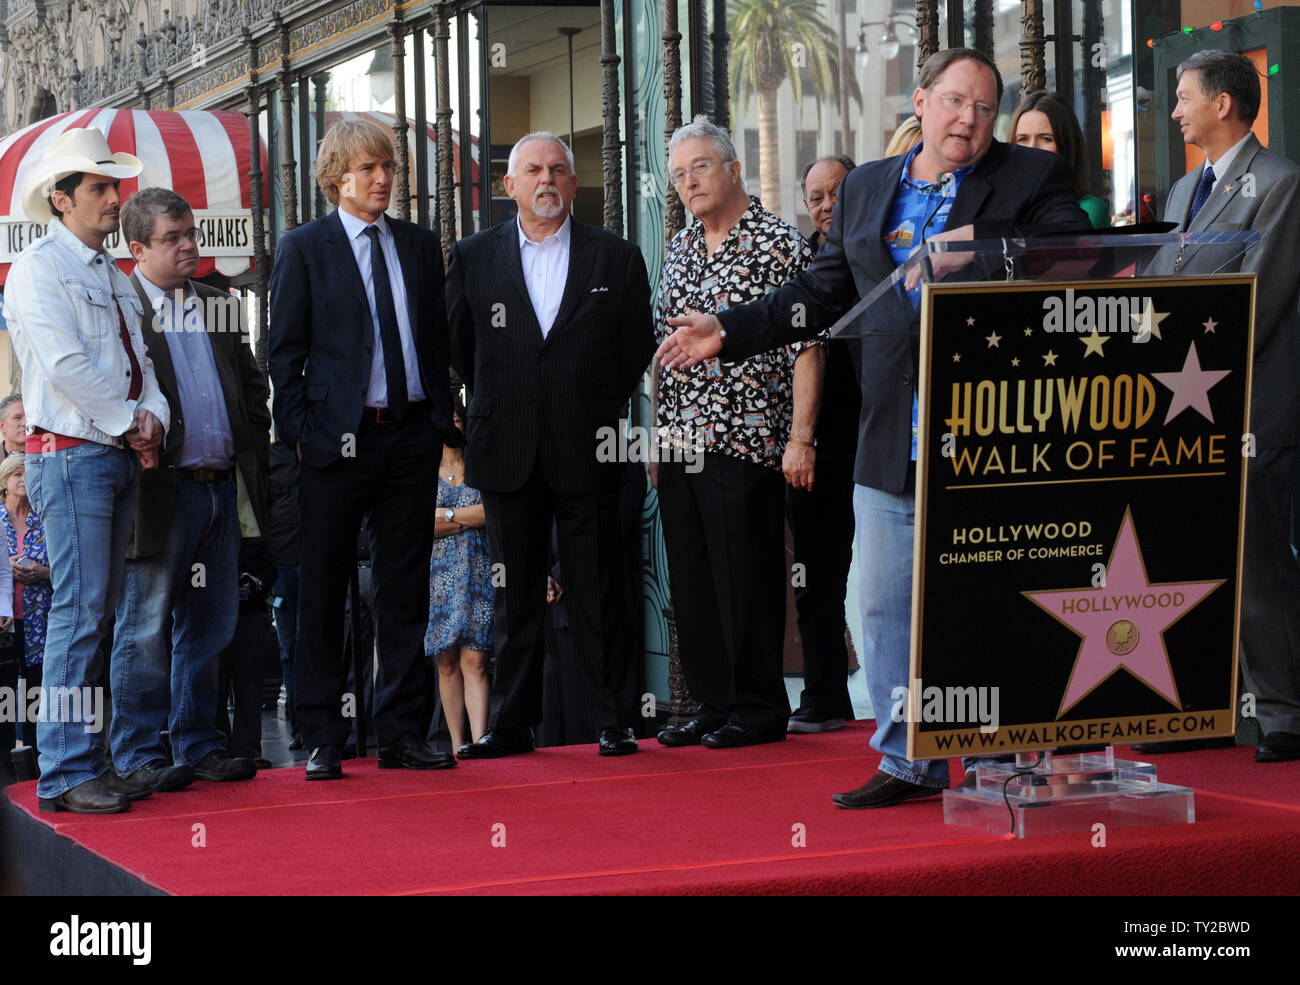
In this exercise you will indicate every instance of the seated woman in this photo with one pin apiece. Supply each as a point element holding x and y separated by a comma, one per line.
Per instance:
<point>1044,120</point>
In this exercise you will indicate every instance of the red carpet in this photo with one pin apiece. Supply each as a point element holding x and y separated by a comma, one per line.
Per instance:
<point>682,821</point>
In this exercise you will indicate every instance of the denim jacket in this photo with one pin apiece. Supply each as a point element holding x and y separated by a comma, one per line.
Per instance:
<point>64,326</point>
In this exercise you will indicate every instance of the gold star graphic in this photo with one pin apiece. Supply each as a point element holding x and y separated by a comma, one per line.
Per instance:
<point>993,340</point>
<point>1093,343</point>
<point>1148,323</point>
<point>1050,358</point>
<point>1209,324</point>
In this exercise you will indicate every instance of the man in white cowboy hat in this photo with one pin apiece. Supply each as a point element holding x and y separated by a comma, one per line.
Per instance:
<point>95,415</point>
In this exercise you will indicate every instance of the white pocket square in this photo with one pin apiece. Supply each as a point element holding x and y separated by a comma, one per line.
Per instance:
<point>599,290</point>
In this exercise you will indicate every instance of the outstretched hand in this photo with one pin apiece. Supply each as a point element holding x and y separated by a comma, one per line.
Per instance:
<point>698,337</point>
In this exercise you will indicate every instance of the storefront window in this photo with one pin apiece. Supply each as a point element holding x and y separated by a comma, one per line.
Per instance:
<point>544,74</point>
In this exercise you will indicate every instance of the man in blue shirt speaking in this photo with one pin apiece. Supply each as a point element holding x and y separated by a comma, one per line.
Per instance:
<point>958,184</point>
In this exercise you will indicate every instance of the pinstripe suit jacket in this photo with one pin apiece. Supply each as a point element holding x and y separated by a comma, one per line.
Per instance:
<point>1270,204</point>
<point>545,400</point>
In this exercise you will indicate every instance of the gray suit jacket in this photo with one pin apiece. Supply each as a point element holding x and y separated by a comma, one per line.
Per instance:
<point>1273,211</point>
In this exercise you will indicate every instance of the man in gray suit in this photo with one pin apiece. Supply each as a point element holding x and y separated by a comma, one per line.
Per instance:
<point>1242,186</point>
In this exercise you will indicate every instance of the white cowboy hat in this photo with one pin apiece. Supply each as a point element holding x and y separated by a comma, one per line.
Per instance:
<point>80,149</point>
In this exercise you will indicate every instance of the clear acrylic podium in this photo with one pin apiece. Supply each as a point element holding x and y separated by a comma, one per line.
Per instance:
<point>1041,792</point>
<point>1103,255</point>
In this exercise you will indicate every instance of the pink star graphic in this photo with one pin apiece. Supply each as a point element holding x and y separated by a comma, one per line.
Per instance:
<point>1123,623</point>
<point>1191,386</point>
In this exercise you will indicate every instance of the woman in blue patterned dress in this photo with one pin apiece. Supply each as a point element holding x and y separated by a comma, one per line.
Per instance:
<point>30,564</point>
<point>460,597</point>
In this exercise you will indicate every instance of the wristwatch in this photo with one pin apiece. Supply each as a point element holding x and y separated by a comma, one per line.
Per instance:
<point>449,515</point>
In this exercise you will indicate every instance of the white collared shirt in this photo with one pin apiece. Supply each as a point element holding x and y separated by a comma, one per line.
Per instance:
<point>546,270</point>
<point>1225,161</point>
<point>377,391</point>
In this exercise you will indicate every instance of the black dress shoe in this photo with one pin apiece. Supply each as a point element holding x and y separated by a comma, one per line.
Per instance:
<point>130,789</point>
<point>161,776</point>
<point>413,754</point>
<point>617,742</point>
<point>689,734</point>
<point>1183,745</point>
<point>733,736</point>
<point>497,743</point>
<point>92,797</point>
<point>325,764</point>
<point>295,743</point>
<point>220,766</point>
<point>883,790</point>
<point>1278,747</point>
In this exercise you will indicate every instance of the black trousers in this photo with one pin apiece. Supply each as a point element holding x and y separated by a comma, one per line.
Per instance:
<point>1270,594</point>
<point>587,536</point>
<point>821,523</point>
<point>393,477</point>
<point>240,670</point>
<point>726,567</point>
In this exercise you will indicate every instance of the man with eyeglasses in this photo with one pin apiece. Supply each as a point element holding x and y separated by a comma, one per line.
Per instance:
<point>183,558</point>
<point>957,184</point>
<point>723,432</point>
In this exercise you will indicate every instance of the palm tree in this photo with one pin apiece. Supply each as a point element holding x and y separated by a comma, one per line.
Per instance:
<point>773,39</point>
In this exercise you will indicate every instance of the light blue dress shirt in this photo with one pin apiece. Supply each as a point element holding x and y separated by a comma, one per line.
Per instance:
<point>209,442</point>
<point>377,391</point>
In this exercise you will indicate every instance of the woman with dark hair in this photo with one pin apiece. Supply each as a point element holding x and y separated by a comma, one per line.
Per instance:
<point>460,597</point>
<point>1045,121</point>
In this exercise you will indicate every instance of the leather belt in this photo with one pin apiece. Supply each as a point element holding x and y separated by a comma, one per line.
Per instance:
<point>382,415</point>
<point>205,475</point>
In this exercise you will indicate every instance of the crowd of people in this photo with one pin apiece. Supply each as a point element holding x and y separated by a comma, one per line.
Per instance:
<point>173,526</point>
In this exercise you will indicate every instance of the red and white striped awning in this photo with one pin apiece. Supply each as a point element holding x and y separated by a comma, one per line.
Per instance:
<point>201,155</point>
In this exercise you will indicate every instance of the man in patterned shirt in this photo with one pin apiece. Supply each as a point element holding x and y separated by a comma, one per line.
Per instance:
<point>722,433</point>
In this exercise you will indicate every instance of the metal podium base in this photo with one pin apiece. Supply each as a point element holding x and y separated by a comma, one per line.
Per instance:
<point>1067,793</point>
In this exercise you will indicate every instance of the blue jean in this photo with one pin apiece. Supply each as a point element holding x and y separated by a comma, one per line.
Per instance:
<point>85,496</point>
<point>203,602</point>
<point>885,524</point>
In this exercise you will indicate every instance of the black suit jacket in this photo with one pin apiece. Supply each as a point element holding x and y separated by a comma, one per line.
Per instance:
<point>322,336</point>
<point>546,399</point>
<point>244,387</point>
<point>1011,191</point>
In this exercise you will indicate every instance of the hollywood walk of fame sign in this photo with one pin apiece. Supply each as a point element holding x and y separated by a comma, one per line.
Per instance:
<point>1080,479</point>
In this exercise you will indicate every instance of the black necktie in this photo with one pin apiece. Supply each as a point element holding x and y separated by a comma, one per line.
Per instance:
<point>1202,193</point>
<point>394,364</point>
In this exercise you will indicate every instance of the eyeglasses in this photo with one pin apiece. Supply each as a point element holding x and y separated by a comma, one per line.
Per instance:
<point>697,170</point>
<point>956,105</point>
<point>172,240</point>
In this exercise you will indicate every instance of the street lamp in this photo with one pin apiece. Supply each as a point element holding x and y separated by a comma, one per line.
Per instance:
<point>889,43</point>
<point>380,73</point>
<point>569,33</point>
